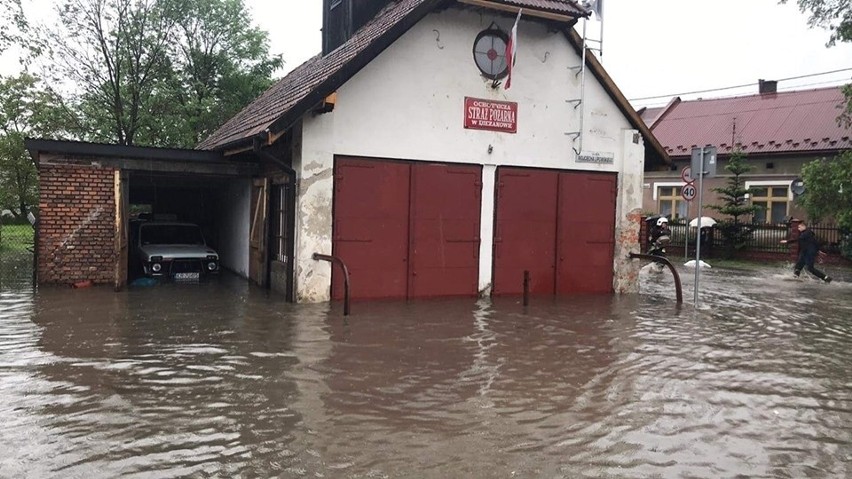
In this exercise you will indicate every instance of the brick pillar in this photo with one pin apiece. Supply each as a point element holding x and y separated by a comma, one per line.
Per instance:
<point>793,238</point>
<point>77,224</point>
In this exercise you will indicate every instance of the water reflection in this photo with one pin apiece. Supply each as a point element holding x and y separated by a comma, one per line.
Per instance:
<point>222,380</point>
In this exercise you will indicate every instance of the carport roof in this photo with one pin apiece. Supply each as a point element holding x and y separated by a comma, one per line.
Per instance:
<point>103,150</point>
<point>308,84</point>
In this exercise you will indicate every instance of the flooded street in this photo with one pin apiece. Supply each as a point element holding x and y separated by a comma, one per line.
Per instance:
<point>220,380</point>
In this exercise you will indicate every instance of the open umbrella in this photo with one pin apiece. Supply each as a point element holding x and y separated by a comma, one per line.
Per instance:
<point>706,222</point>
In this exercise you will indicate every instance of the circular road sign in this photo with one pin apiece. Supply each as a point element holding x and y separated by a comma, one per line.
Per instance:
<point>686,174</point>
<point>688,192</point>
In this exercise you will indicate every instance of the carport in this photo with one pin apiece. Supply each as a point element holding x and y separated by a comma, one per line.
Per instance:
<point>90,192</point>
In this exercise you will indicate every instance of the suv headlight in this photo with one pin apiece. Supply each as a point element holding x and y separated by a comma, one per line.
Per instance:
<point>212,266</point>
<point>156,267</point>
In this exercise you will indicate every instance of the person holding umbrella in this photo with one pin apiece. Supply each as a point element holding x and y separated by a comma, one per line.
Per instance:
<point>809,250</point>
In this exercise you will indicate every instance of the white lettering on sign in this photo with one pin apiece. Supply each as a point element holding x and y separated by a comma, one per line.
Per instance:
<point>596,158</point>
<point>491,115</point>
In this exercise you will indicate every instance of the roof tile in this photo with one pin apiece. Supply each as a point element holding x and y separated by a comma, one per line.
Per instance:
<point>298,84</point>
<point>788,121</point>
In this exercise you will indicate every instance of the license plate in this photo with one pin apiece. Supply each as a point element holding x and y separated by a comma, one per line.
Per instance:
<point>187,275</point>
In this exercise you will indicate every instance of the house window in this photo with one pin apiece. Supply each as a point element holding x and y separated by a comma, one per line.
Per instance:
<point>670,202</point>
<point>772,201</point>
<point>278,248</point>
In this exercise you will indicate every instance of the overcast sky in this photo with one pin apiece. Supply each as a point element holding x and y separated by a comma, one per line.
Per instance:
<point>650,47</point>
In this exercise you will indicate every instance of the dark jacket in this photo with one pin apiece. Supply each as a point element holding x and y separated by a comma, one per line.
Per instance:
<point>809,245</point>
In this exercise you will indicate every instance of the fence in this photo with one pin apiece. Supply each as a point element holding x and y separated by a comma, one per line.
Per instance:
<point>764,242</point>
<point>16,255</point>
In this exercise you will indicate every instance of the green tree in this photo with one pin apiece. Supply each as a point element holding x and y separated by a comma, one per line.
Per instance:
<point>833,15</point>
<point>221,65</point>
<point>828,192</point>
<point>14,23</point>
<point>26,109</point>
<point>158,72</point>
<point>734,231</point>
<point>836,17</point>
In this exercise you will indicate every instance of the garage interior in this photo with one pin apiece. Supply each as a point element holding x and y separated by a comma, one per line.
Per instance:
<point>219,205</point>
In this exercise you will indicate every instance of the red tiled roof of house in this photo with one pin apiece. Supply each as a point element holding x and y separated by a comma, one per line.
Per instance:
<point>297,92</point>
<point>784,122</point>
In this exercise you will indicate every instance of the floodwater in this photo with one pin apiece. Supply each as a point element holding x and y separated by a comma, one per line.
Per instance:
<point>220,380</point>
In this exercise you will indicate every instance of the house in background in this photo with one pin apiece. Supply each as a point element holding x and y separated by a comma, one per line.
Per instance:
<point>778,131</point>
<point>400,149</point>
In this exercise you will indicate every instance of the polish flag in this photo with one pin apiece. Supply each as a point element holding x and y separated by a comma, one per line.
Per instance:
<point>511,49</point>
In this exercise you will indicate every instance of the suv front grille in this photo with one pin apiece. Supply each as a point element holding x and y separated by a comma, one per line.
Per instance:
<point>186,266</point>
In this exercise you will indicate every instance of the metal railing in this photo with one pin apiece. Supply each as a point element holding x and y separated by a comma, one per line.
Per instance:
<point>339,262</point>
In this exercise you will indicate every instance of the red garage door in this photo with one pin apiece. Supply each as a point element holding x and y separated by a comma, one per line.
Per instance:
<point>587,232</point>
<point>559,226</point>
<point>406,230</point>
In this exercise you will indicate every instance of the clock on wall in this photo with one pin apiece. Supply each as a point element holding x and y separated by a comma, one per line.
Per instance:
<point>489,53</point>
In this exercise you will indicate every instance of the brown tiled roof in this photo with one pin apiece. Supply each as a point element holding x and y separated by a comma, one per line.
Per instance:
<point>564,7</point>
<point>785,122</point>
<point>312,81</point>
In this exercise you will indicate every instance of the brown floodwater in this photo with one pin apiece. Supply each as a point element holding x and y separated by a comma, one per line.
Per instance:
<point>222,380</point>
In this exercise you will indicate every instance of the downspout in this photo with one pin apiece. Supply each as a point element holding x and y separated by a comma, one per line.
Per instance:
<point>258,147</point>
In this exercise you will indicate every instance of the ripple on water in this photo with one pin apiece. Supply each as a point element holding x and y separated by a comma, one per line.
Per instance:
<point>221,380</point>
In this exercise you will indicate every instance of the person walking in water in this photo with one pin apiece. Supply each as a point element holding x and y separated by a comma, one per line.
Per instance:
<point>808,252</point>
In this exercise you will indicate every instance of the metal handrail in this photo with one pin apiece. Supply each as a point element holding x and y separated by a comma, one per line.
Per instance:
<point>339,262</point>
<point>661,260</point>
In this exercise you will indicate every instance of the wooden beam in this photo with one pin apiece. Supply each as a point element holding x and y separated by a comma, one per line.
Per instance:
<point>527,11</point>
<point>237,151</point>
<point>271,138</point>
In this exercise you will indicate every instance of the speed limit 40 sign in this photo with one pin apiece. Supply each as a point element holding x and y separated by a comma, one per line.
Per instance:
<point>688,191</point>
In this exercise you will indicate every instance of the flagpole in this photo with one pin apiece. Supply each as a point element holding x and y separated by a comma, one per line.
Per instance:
<point>512,48</point>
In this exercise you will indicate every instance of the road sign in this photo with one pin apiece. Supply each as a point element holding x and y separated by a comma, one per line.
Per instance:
<point>708,167</point>
<point>688,192</point>
<point>686,174</point>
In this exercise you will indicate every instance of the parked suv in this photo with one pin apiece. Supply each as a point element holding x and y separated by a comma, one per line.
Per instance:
<point>174,250</point>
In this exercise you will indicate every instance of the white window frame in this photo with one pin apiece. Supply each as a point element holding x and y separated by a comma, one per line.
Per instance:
<point>664,184</point>
<point>770,184</point>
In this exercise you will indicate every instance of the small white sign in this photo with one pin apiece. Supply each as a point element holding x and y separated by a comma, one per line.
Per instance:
<point>596,157</point>
<point>686,174</point>
<point>688,192</point>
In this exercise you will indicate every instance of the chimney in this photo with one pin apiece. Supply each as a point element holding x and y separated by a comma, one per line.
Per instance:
<point>767,86</point>
<point>342,18</point>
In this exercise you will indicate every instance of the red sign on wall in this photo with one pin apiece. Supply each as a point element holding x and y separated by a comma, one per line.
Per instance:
<point>491,115</point>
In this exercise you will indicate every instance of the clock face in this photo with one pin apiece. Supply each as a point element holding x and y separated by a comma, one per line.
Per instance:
<point>489,53</point>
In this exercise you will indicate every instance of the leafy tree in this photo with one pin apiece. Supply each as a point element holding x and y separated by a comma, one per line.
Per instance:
<point>828,192</point>
<point>221,65</point>
<point>836,17</point>
<point>14,23</point>
<point>159,72</point>
<point>26,109</point>
<point>734,204</point>
<point>833,15</point>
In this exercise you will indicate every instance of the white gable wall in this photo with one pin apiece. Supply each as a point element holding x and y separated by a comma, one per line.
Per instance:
<point>408,103</point>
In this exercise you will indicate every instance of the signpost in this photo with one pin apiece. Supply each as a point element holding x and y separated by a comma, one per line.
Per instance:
<point>703,164</point>
<point>687,191</point>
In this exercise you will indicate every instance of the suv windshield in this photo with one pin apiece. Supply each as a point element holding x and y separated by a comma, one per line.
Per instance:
<point>171,234</point>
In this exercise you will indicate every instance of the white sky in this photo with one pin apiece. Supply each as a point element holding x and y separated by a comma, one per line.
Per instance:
<point>650,47</point>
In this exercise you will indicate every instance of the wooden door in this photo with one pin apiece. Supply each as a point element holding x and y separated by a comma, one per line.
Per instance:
<point>258,231</point>
<point>121,228</point>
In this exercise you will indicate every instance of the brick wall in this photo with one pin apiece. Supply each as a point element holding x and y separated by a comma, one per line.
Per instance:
<point>76,224</point>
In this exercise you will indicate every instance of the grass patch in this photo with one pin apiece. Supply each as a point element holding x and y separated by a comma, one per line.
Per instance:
<point>16,238</point>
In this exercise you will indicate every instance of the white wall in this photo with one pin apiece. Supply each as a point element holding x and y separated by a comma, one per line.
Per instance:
<point>408,103</point>
<point>234,226</point>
